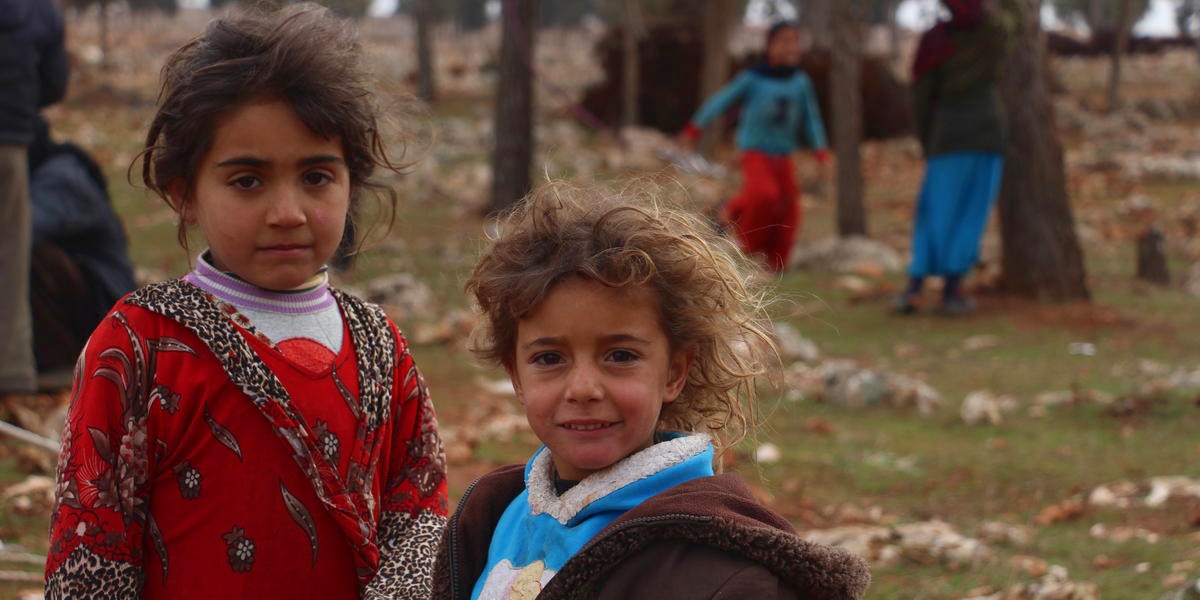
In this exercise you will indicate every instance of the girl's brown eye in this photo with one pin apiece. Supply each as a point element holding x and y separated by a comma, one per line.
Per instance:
<point>246,182</point>
<point>317,178</point>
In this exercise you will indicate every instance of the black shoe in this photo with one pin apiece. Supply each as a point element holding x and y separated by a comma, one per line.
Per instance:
<point>956,306</point>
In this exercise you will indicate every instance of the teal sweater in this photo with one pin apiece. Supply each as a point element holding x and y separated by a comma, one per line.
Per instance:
<point>774,109</point>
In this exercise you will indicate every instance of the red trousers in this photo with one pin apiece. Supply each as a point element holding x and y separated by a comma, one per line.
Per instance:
<point>766,213</point>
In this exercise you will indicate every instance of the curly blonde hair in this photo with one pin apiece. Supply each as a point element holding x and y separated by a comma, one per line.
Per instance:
<point>711,296</point>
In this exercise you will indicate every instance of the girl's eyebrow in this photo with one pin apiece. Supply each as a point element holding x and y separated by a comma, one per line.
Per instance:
<point>615,338</point>
<point>253,161</point>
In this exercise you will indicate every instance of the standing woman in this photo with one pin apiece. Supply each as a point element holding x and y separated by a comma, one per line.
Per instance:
<point>961,125</point>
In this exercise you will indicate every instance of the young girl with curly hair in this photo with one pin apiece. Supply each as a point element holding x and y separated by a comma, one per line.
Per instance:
<point>633,335</point>
<point>247,431</point>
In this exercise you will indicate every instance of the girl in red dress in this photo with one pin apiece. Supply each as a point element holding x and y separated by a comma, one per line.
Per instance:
<point>248,431</point>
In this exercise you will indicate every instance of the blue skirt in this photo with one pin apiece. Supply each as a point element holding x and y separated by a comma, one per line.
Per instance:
<point>956,197</point>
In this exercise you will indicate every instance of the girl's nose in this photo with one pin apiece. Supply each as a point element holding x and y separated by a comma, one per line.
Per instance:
<point>286,208</point>
<point>584,384</point>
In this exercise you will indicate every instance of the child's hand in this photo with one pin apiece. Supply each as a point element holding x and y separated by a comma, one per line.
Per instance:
<point>823,156</point>
<point>687,137</point>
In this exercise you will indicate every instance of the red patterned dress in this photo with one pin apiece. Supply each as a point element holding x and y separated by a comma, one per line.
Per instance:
<point>200,461</point>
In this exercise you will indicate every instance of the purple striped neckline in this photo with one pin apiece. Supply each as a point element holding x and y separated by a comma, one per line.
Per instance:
<point>243,295</point>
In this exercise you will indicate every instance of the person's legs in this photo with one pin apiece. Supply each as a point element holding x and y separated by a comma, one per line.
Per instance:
<point>982,172</point>
<point>789,214</point>
<point>751,211</point>
<point>17,373</point>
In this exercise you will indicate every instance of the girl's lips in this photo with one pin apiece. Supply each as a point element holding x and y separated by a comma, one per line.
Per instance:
<point>588,425</point>
<point>285,249</point>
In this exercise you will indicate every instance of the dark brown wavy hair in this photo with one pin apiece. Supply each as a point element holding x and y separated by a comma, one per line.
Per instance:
<point>300,53</point>
<point>710,295</point>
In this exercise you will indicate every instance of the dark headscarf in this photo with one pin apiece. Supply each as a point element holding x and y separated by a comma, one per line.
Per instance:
<point>937,45</point>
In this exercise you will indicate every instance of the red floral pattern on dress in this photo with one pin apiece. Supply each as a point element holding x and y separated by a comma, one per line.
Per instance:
<point>133,486</point>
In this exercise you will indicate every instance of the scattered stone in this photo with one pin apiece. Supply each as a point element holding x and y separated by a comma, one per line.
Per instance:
<point>853,284</point>
<point>403,297</point>
<point>980,342</point>
<point>1056,584</point>
<point>854,254</point>
<point>1188,592</point>
<point>981,407</point>
<point>1004,534</point>
<point>457,325</point>
<point>1031,566</point>
<point>846,383</point>
<point>793,346</point>
<point>1191,282</point>
<point>1155,492</point>
<point>924,542</point>
<point>767,454</point>
<point>1121,534</point>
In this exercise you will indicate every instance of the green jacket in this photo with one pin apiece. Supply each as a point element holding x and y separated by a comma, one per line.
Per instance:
<point>958,105</point>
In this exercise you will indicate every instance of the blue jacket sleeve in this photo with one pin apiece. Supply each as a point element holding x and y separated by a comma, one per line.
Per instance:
<point>814,127</point>
<point>722,100</point>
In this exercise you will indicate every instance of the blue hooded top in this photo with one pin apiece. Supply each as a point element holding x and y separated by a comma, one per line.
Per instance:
<point>541,530</point>
<point>777,103</point>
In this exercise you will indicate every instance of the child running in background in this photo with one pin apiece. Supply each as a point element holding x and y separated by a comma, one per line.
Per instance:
<point>778,101</point>
<point>633,335</point>
<point>248,431</point>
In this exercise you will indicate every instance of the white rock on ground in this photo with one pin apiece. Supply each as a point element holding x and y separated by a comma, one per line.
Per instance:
<point>793,346</point>
<point>981,407</point>
<point>1153,493</point>
<point>847,255</point>
<point>921,542</point>
<point>1054,585</point>
<point>846,383</point>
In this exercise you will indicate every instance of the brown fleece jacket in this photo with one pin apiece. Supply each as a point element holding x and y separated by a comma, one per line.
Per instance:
<point>706,538</point>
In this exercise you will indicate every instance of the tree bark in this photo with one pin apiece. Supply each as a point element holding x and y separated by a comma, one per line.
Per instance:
<point>717,22</point>
<point>423,13</point>
<point>633,32</point>
<point>105,44</point>
<point>817,18</point>
<point>1124,16</point>
<point>847,115</point>
<point>1042,258</point>
<point>514,107</point>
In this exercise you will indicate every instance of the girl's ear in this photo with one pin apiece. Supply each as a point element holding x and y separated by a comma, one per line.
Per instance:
<point>678,370</point>
<point>177,193</point>
<point>516,383</point>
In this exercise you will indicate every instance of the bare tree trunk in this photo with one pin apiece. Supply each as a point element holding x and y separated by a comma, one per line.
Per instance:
<point>105,44</point>
<point>1042,258</point>
<point>514,106</point>
<point>423,12</point>
<point>818,20</point>
<point>1124,14</point>
<point>847,115</point>
<point>893,22</point>
<point>634,30</point>
<point>717,22</point>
